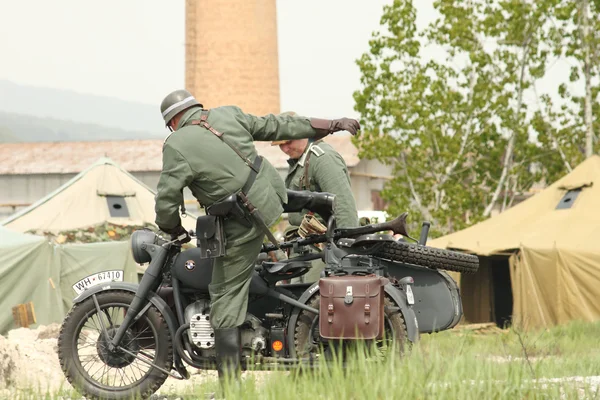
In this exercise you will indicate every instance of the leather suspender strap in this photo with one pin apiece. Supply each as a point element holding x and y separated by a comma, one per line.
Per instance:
<point>304,185</point>
<point>305,180</point>
<point>203,122</point>
<point>253,173</point>
<point>255,168</point>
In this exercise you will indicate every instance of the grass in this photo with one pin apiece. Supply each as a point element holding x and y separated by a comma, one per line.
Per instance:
<point>449,365</point>
<point>509,364</point>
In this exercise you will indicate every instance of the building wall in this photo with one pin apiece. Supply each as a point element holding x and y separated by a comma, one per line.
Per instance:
<point>231,54</point>
<point>16,191</point>
<point>19,190</point>
<point>368,177</point>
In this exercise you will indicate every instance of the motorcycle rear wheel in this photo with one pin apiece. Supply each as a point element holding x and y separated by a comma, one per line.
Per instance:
<point>306,331</point>
<point>148,337</point>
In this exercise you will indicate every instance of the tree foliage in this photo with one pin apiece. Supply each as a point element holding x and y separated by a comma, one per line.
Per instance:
<point>446,106</point>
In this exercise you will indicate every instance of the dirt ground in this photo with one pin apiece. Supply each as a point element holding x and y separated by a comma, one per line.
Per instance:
<point>28,359</point>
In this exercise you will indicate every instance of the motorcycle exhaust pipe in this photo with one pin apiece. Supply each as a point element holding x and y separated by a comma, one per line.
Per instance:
<point>197,361</point>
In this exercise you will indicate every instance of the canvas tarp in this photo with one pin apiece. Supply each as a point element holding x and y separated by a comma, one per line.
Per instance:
<point>102,193</point>
<point>27,274</point>
<point>77,261</point>
<point>554,286</point>
<point>555,257</point>
<point>34,270</point>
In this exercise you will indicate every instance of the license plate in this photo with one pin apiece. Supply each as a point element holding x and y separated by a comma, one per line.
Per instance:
<point>409,295</point>
<point>98,278</point>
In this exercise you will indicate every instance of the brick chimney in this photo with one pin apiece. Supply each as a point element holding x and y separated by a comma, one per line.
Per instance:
<point>231,54</point>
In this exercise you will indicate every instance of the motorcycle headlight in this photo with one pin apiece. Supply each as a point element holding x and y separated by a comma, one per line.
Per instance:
<point>138,238</point>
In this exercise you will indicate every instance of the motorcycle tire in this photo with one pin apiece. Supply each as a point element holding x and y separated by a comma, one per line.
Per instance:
<point>73,368</point>
<point>394,324</point>
<point>429,257</point>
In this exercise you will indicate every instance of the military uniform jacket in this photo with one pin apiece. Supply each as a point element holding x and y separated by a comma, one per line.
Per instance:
<point>327,172</point>
<point>196,158</point>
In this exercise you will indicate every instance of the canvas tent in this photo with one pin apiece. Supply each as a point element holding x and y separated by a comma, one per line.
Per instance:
<point>548,248</point>
<point>34,270</point>
<point>102,193</point>
<point>27,275</point>
<point>77,261</point>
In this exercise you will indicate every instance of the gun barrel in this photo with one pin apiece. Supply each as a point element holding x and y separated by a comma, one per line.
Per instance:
<point>398,226</point>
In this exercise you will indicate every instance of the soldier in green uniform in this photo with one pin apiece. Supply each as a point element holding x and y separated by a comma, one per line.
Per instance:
<point>213,154</point>
<point>318,167</point>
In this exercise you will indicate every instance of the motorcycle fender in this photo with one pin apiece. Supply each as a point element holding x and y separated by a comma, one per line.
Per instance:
<point>410,318</point>
<point>155,299</point>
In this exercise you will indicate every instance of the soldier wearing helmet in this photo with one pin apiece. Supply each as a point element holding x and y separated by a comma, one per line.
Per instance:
<point>213,154</point>
<point>318,167</point>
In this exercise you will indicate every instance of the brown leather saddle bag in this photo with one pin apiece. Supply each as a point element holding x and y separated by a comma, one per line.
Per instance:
<point>351,307</point>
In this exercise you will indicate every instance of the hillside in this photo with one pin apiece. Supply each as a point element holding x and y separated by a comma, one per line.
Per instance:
<point>26,128</point>
<point>94,112</point>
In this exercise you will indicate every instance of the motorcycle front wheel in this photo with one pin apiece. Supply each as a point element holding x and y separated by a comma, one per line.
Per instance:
<point>99,373</point>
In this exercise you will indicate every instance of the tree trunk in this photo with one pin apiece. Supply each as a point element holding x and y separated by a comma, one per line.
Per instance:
<point>585,42</point>
<point>511,141</point>
<point>413,192</point>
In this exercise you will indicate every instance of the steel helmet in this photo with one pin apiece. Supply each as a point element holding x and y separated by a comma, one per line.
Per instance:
<point>175,102</point>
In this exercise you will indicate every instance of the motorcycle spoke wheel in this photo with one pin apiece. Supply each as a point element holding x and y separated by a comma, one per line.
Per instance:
<point>114,369</point>
<point>99,373</point>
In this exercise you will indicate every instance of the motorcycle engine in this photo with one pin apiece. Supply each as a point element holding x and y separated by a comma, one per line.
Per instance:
<point>202,336</point>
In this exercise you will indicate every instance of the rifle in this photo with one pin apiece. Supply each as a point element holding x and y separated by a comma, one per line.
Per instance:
<point>398,226</point>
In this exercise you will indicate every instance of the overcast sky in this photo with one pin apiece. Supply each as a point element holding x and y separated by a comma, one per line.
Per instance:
<point>134,49</point>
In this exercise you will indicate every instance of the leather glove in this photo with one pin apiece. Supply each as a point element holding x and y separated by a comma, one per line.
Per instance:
<point>326,126</point>
<point>178,233</point>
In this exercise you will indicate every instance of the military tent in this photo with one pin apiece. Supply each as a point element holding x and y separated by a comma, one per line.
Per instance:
<point>79,260</point>
<point>27,274</point>
<point>34,270</point>
<point>104,192</point>
<point>540,260</point>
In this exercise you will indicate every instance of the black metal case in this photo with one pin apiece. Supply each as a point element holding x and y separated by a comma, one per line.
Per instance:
<point>438,305</point>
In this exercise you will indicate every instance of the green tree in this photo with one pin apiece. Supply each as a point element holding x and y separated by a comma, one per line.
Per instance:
<point>455,129</point>
<point>570,127</point>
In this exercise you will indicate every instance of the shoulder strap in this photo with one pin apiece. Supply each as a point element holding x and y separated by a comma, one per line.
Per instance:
<point>314,148</point>
<point>317,150</point>
<point>204,123</point>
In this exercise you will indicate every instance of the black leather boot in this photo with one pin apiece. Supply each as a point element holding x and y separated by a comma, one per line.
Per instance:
<point>228,348</point>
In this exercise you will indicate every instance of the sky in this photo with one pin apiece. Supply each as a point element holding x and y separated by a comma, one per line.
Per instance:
<point>134,49</point>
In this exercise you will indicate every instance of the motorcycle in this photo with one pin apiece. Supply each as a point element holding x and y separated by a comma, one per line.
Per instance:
<point>121,340</point>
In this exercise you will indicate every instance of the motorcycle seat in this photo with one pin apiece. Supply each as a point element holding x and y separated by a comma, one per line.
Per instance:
<point>279,270</point>
<point>320,203</point>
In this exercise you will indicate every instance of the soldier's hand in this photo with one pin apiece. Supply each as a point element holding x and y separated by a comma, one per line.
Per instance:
<point>180,234</point>
<point>345,124</point>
